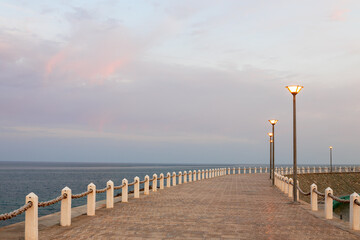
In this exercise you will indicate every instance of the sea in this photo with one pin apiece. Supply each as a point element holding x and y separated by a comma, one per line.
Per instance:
<point>46,180</point>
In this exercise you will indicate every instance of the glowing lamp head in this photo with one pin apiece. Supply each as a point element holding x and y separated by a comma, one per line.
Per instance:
<point>294,89</point>
<point>330,147</point>
<point>273,121</point>
<point>270,134</point>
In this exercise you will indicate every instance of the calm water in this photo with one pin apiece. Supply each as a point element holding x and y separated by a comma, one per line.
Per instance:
<point>17,179</point>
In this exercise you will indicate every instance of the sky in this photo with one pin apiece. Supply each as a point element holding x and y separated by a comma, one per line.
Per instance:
<point>178,81</point>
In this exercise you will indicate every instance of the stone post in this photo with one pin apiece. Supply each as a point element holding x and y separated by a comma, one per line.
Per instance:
<point>185,177</point>
<point>340,169</point>
<point>199,175</point>
<point>291,187</point>
<point>266,170</point>
<point>319,169</point>
<point>308,169</point>
<point>136,187</point>
<point>174,178</point>
<point>124,190</point>
<point>31,218</point>
<point>255,170</point>
<point>328,204</point>
<point>180,178</point>
<point>203,174</point>
<point>168,180</point>
<point>146,185</point>
<point>194,176</point>
<point>354,212</point>
<point>154,183</point>
<point>110,194</point>
<point>91,200</point>
<point>286,185</point>
<point>190,176</point>
<point>283,184</point>
<point>260,169</point>
<point>314,170</point>
<point>161,181</point>
<point>313,197</point>
<point>65,212</point>
<point>298,192</point>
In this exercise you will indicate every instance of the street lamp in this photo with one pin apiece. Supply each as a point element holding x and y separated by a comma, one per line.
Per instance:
<point>273,122</point>
<point>270,135</point>
<point>330,158</point>
<point>294,89</point>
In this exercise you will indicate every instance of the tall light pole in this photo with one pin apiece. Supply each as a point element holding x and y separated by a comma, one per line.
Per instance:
<point>331,148</point>
<point>294,89</point>
<point>273,122</point>
<point>270,135</point>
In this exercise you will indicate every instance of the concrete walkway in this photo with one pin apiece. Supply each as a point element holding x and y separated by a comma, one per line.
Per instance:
<point>228,207</point>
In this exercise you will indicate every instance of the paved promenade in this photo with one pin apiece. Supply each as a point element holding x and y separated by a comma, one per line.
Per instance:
<point>228,207</point>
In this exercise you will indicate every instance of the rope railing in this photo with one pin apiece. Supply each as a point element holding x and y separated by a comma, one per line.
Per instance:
<point>16,212</point>
<point>338,199</point>
<point>133,183</point>
<point>357,202</point>
<point>144,181</point>
<point>53,201</point>
<point>319,193</point>
<point>80,195</point>
<point>119,187</point>
<point>102,190</point>
<point>302,192</point>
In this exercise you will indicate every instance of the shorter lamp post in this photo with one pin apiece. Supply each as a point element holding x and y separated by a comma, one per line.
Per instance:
<point>273,122</point>
<point>331,148</point>
<point>270,135</point>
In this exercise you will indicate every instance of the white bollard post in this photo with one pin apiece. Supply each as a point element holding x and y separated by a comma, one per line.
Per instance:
<point>239,170</point>
<point>154,183</point>
<point>199,175</point>
<point>161,181</point>
<point>266,170</point>
<point>174,178</point>
<point>203,174</point>
<point>354,212</point>
<point>286,179</point>
<point>185,177</point>
<point>283,184</point>
<point>340,169</point>
<point>31,218</point>
<point>136,187</point>
<point>260,169</point>
<point>291,187</point>
<point>313,197</point>
<point>180,178</point>
<point>328,204</point>
<point>124,190</point>
<point>91,200</point>
<point>65,212</point>
<point>146,185</point>
<point>168,180</point>
<point>298,192</point>
<point>255,170</point>
<point>190,176</point>
<point>319,169</point>
<point>110,194</point>
<point>314,170</point>
<point>249,170</point>
<point>194,176</point>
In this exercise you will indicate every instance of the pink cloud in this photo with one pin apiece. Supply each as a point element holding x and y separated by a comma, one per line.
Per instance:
<point>339,14</point>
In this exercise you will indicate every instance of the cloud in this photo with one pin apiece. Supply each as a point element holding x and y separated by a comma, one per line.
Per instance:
<point>339,14</point>
<point>43,132</point>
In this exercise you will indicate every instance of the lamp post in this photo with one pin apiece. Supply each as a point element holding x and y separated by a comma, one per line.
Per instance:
<point>273,122</point>
<point>270,135</point>
<point>294,89</point>
<point>331,148</point>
